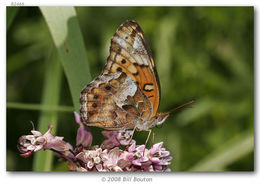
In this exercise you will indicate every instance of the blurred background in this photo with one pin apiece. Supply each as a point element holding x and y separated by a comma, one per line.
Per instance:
<point>204,54</point>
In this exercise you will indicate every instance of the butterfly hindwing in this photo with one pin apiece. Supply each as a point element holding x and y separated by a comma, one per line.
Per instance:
<point>113,101</point>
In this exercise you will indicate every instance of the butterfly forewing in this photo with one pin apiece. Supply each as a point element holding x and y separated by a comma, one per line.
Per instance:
<point>130,53</point>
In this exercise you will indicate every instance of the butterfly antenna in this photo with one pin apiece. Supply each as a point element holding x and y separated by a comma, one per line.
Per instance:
<point>186,105</point>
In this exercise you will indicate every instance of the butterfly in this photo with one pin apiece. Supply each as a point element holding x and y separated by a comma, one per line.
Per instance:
<point>127,92</point>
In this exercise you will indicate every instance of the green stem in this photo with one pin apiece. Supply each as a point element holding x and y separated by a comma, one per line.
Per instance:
<point>26,106</point>
<point>51,94</point>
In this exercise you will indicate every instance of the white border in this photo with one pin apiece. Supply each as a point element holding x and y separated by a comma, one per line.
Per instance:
<point>134,3</point>
<point>191,179</point>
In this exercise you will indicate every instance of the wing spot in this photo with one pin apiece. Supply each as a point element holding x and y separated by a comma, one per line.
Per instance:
<point>148,87</point>
<point>119,69</point>
<point>119,49</point>
<point>133,34</point>
<point>142,65</point>
<point>135,74</point>
<point>132,69</point>
<point>95,96</point>
<point>123,61</point>
<point>94,105</point>
<point>108,87</point>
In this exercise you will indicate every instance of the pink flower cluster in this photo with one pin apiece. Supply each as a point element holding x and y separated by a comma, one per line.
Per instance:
<point>132,158</point>
<point>118,152</point>
<point>36,142</point>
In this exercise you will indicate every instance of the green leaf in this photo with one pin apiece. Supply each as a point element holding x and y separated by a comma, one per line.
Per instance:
<point>11,12</point>
<point>28,106</point>
<point>228,153</point>
<point>65,31</point>
<point>51,95</point>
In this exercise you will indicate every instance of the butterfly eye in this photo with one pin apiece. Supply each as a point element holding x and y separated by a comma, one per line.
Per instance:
<point>161,118</point>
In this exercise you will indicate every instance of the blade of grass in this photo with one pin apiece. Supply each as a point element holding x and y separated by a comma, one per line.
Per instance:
<point>51,93</point>
<point>11,12</point>
<point>26,106</point>
<point>228,153</point>
<point>167,30</point>
<point>65,31</point>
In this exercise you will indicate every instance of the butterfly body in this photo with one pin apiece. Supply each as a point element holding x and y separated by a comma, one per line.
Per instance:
<point>127,93</point>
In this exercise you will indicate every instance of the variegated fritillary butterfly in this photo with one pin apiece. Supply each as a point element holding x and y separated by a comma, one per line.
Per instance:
<point>127,93</point>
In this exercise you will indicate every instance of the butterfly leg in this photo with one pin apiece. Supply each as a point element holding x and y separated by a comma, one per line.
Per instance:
<point>132,134</point>
<point>131,138</point>
<point>150,131</point>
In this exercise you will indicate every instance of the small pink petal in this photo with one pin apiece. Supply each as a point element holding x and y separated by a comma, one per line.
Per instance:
<point>27,145</point>
<point>117,169</point>
<point>140,148</point>
<point>124,142</point>
<point>26,155</point>
<point>90,164</point>
<point>136,162</point>
<point>155,148</point>
<point>31,147</point>
<point>36,133</point>
<point>21,149</point>
<point>84,137</point>
<point>38,147</point>
<point>29,137</point>
<point>132,147</point>
<point>77,118</point>
<point>41,139</point>
<point>99,167</point>
<point>155,160</point>
<point>165,153</point>
<point>144,159</point>
<point>130,156</point>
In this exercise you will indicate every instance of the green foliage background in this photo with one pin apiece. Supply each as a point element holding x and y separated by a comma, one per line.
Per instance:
<point>201,53</point>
